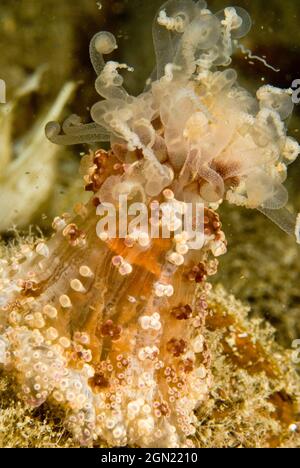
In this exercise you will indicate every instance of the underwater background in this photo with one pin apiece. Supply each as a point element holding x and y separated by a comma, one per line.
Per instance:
<point>48,40</point>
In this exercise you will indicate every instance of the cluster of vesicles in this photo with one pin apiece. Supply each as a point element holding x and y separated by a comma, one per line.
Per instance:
<point>111,330</point>
<point>196,129</point>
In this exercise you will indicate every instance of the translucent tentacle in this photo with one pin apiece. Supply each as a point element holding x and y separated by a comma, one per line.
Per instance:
<point>165,36</point>
<point>279,198</point>
<point>215,181</point>
<point>284,219</point>
<point>91,133</point>
<point>201,34</point>
<point>73,126</point>
<point>109,82</point>
<point>102,43</point>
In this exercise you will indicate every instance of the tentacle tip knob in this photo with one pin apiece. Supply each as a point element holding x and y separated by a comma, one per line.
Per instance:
<point>105,43</point>
<point>52,129</point>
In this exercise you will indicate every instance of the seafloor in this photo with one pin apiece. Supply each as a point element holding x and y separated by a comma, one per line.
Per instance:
<point>262,266</point>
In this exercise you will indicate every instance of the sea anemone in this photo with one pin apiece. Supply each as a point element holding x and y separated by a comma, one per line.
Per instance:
<point>198,130</point>
<point>109,327</point>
